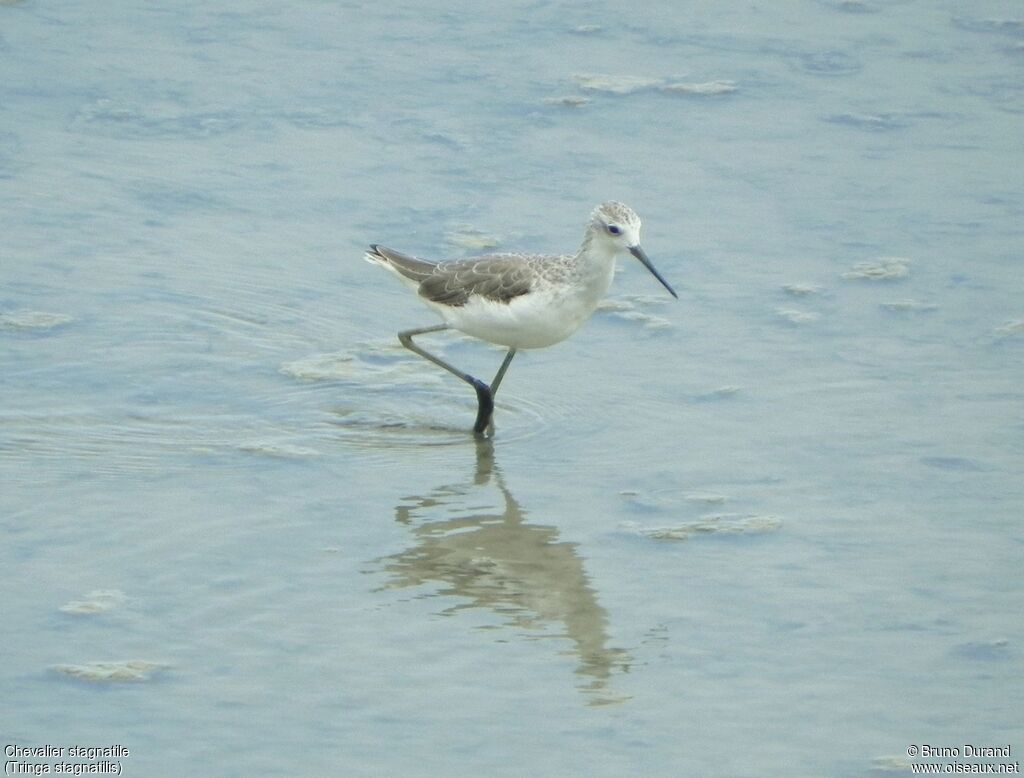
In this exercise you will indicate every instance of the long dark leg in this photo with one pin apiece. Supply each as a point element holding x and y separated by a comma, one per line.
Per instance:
<point>501,371</point>
<point>488,423</point>
<point>484,396</point>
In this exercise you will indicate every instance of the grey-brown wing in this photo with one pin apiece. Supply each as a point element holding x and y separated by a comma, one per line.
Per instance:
<point>497,277</point>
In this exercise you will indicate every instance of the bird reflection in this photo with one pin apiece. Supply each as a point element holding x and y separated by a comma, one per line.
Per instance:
<point>495,559</point>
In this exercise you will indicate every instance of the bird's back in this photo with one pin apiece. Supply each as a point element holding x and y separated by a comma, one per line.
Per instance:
<point>494,277</point>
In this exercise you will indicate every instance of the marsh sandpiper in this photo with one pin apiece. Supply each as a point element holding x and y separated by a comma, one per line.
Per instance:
<point>519,301</point>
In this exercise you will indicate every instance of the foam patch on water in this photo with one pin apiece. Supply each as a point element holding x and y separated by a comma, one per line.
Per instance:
<point>468,237</point>
<point>1013,328</point>
<point>705,497</point>
<point>32,320</point>
<point>348,366</point>
<point>881,269</point>
<point>719,87</point>
<point>616,85</point>
<point>569,101</point>
<point>891,764</point>
<point>277,450</point>
<point>870,122</point>
<point>908,306</point>
<point>647,320</point>
<point>125,671</point>
<point>624,85</point>
<point>98,601</point>
<point>628,309</point>
<point>793,316</point>
<point>646,300</point>
<point>719,393</point>
<point>801,290</point>
<point>717,524</point>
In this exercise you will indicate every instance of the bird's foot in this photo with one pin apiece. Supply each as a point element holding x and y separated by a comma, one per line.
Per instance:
<point>485,401</point>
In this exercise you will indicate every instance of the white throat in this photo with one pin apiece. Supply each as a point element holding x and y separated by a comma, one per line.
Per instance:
<point>595,266</point>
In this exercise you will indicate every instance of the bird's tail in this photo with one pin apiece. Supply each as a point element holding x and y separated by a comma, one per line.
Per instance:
<point>410,267</point>
<point>375,256</point>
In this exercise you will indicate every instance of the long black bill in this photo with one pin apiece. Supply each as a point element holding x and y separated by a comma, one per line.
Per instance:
<point>638,252</point>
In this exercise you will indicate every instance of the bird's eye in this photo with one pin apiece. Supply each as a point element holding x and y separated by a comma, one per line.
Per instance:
<point>613,229</point>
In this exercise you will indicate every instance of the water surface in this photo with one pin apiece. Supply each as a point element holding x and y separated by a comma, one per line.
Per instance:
<point>771,528</point>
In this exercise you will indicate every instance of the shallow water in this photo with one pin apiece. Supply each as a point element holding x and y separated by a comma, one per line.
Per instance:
<point>773,528</point>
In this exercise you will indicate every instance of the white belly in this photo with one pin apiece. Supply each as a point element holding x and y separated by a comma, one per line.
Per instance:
<point>533,320</point>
